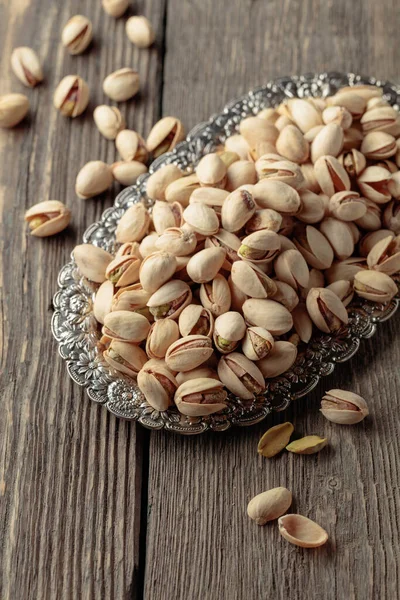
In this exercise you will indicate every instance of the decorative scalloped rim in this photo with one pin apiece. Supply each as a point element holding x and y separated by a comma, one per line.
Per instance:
<point>75,329</point>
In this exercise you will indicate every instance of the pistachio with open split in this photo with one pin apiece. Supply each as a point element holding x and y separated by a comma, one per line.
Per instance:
<point>170,300</point>
<point>326,310</point>
<point>373,183</point>
<point>314,247</point>
<point>369,240</point>
<point>268,314</point>
<point>47,218</point>
<point>228,242</point>
<point>71,96</point>
<point>280,170</point>
<point>252,281</point>
<point>337,114</point>
<point>123,270</point>
<point>339,235</point>
<point>121,84</point>
<point>331,175</point>
<point>204,265</point>
<point>347,206</point>
<point>385,255</point>
<point>158,385</point>
<point>343,407</point>
<point>381,118</point>
<point>264,218</point>
<point>196,320</point>
<point>133,225</point>
<point>162,334</point>
<point>156,269</point>
<point>189,352</point>
<point>77,34</point>
<point>132,297</point>
<point>200,397</point>
<point>260,247</point>
<point>237,209</point>
<point>277,195</point>
<point>181,189</point>
<point>285,295</point>
<point>92,261</point>
<point>229,330</point>
<point>291,268</point>
<point>241,376</point>
<point>132,146</point>
<point>353,161</point>
<point>378,145</point>
<point>216,295</point>
<point>301,531</point>
<point>165,135</point>
<point>26,65</point>
<point>109,121</point>
<point>375,286</point>
<point>179,241</point>
<point>125,358</point>
<point>126,326</point>
<point>372,220</point>
<point>257,343</point>
<point>282,356</point>
<point>269,505</point>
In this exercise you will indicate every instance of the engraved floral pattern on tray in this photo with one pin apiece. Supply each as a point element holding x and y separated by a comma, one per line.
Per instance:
<point>76,330</point>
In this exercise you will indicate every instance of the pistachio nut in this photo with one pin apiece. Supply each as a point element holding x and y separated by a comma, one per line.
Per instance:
<point>170,300</point>
<point>228,157</point>
<point>347,206</point>
<point>291,268</point>
<point>229,330</point>
<point>326,310</point>
<point>92,261</point>
<point>310,444</point>
<point>300,531</point>
<point>269,505</point>
<point>385,255</point>
<point>109,121</point>
<point>237,297</point>
<point>115,8</point>
<point>204,265</point>
<point>264,219</point>
<point>257,343</point>
<point>364,90</point>
<point>241,376</point>
<point>252,281</point>
<point>132,297</point>
<point>378,145</point>
<point>188,352</point>
<point>237,144</point>
<point>312,207</point>
<point>340,237</point>
<point>179,241</point>
<point>269,114</point>
<point>338,115</point>
<point>103,301</point>
<point>71,96</point>
<point>148,244</point>
<point>127,173</point>
<point>352,139</point>
<point>237,209</point>
<point>216,295</point>
<point>343,290</point>
<point>125,358</point>
<point>391,216</point>
<point>165,135</point>
<point>268,314</point>
<point>94,178</point>
<point>133,225</point>
<point>131,146</point>
<point>328,141</point>
<point>302,323</point>
<point>166,215</point>
<point>260,247</point>
<point>196,320</point>
<point>331,176</point>
<point>47,218</point>
<point>201,219</point>
<point>314,247</point>
<point>212,197</point>
<point>375,286</point>
<point>181,189</point>
<point>369,240</point>
<point>343,407</point>
<point>158,385</point>
<point>379,119</point>
<point>345,269</point>
<point>292,145</point>
<point>123,270</point>
<point>26,65</point>
<point>200,397</point>
<point>139,31</point>
<point>285,295</point>
<point>277,195</point>
<point>376,101</point>
<point>310,181</point>
<point>304,114</point>
<point>121,84</point>
<point>256,130</point>
<point>241,172</point>
<point>126,326</point>
<point>371,221</point>
<point>211,171</point>
<point>350,100</point>
<point>275,439</point>
<point>316,279</point>
<point>283,171</point>
<point>13,108</point>
<point>353,161</point>
<point>228,242</point>
<point>281,358</point>
<point>312,133</point>
<point>77,34</point>
<point>158,182</point>
<point>199,373</point>
<point>394,185</point>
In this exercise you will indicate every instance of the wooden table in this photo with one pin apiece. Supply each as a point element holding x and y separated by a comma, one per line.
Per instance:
<point>95,507</point>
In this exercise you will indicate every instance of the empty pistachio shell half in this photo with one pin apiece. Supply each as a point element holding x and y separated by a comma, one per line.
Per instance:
<point>311,444</point>
<point>13,108</point>
<point>269,505</point>
<point>123,270</point>
<point>343,407</point>
<point>132,297</point>
<point>301,531</point>
<point>77,34</point>
<point>47,218</point>
<point>200,397</point>
<point>71,96</point>
<point>26,65</point>
<point>274,440</point>
<point>92,261</point>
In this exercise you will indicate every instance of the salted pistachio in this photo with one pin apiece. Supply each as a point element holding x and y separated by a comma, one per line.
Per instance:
<point>285,295</point>
<point>211,171</point>
<point>205,264</point>
<point>372,220</point>
<point>256,130</point>
<point>376,101</point>
<point>312,133</point>
<point>378,145</point>
<point>275,439</point>
<point>385,255</point>
<point>328,141</point>
<point>283,171</point>
<point>158,385</point>
<point>353,161</point>
<point>314,247</point>
<point>277,195</point>
<point>343,290</point>
<point>94,178</point>
<point>198,373</point>
<point>347,206</point>
<point>301,531</point>
<point>229,330</point>
<point>302,323</point>
<point>109,121</point>
<point>148,244</point>
<point>260,247</point>
<point>126,326</point>
<point>339,235</point>
<point>158,181</point>
<point>210,196</point>
<point>237,144</point>
<point>310,181</point>
<point>156,269</point>
<point>264,219</point>
<point>47,218</point>
<point>92,261</point>
<point>179,241</point>
<point>71,96</point>
<point>338,115</point>
<point>257,343</point>
<point>391,217</point>
<point>77,34</point>
<point>127,173</point>
<point>364,90</point>
<point>375,286</point>
<point>369,240</point>
<point>133,225</point>
<point>281,358</point>
<point>350,100</point>
<point>282,122</point>
<point>200,397</point>
<point>326,310</point>
<point>188,352</point>
<point>343,407</point>
<point>237,209</point>
<point>201,219</point>
<point>216,296</point>
<point>131,146</point>
<point>26,66</point>
<point>379,119</point>
<point>310,444</point>
<point>13,108</point>
<point>251,280</point>
<point>181,189</point>
<point>165,135</point>
<point>268,314</point>
<point>122,84</point>
<point>241,376</point>
<point>115,8</point>
<point>312,208</point>
<point>269,505</point>
<point>291,268</point>
<point>316,279</point>
<point>196,320</point>
<point>241,172</point>
<point>292,145</point>
<point>304,114</point>
<point>331,176</point>
<point>170,299</point>
<point>123,270</point>
<point>345,269</point>
<point>103,301</point>
<point>228,242</point>
<point>139,31</point>
<point>165,215</point>
<point>125,358</point>
<point>132,297</point>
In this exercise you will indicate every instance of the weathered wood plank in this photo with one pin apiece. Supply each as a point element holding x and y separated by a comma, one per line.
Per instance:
<point>70,484</point>
<point>200,543</point>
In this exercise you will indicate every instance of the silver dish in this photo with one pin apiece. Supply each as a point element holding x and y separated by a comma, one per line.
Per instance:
<point>76,330</point>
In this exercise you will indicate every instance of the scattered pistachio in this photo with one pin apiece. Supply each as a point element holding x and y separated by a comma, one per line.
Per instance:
<point>269,505</point>
<point>77,34</point>
<point>311,444</point>
<point>26,65</point>
<point>275,440</point>
<point>13,108</point>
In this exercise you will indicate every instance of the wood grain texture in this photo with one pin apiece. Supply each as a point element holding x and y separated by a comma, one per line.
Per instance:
<point>200,542</point>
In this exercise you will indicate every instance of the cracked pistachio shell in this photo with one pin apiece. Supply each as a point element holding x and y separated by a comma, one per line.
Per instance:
<point>133,225</point>
<point>268,314</point>
<point>316,279</point>
<point>350,100</point>
<point>275,439</point>
<point>347,206</point>
<point>165,215</point>
<point>158,385</point>
<point>199,373</point>
<point>375,286</point>
<point>328,141</point>
<point>264,219</point>
<point>303,532</point>
<point>394,185</point>
<point>227,241</point>
<point>92,262</point>
<point>156,270</point>
<point>378,145</point>
<point>165,135</point>
<point>229,329</point>
<point>158,182</point>
<point>338,115</point>
<point>237,209</point>
<point>131,146</point>
<point>189,352</point>
<point>256,130</point>
<point>345,269</point>
<point>257,343</point>
<point>204,265</point>
<point>310,444</point>
<point>211,171</point>
<point>109,121</point>
<point>302,323</point>
<point>304,114</point>
<point>326,310</point>
<point>115,8</point>
<point>379,119</point>
<point>26,66</point>
<point>269,505</point>
<point>123,270</point>
<point>260,247</point>
<point>126,326</point>
<point>285,295</point>
<point>331,175</point>
<point>312,208</point>
<point>133,297</point>
<point>139,31</point>
<point>339,235</point>
<point>282,170</point>
<point>241,172</point>
<point>212,197</point>
<point>200,397</point>
<point>71,96</point>
<point>371,221</point>
<point>148,244</point>
<point>373,183</point>
<point>170,300</point>
<point>353,161</point>
<point>77,34</point>
<point>251,280</point>
<point>343,407</point>
<point>201,218</point>
<point>314,247</point>
<point>179,241</point>
<point>385,255</point>
<point>292,145</point>
<point>391,216</point>
<point>47,218</point>
<point>94,178</point>
<point>125,358</point>
<point>238,297</point>
<point>282,356</point>
<point>181,189</point>
<point>291,268</point>
<point>369,240</point>
<point>343,290</point>
<point>241,376</point>
<point>103,301</point>
<point>121,84</point>
<point>237,144</point>
<point>196,320</point>
<point>13,108</point>
<point>216,295</point>
<point>126,173</point>
<point>277,195</point>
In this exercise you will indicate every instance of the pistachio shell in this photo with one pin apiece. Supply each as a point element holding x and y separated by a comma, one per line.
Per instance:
<point>280,359</point>
<point>211,170</point>
<point>303,532</point>
<point>264,219</point>
<point>196,320</point>
<point>326,310</point>
<point>212,197</point>
<point>339,115</point>
<point>156,270</point>
<point>181,189</point>
<point>133,297</point>
<point>373,183</point>
<point>13,108</point>
<point>94,178</point>
<point>237,143</point>
<point>109,121</point>
<point>240,375</point>
<point>77,34</point>
<point>369,240</point>
<point>126,326</point>
<point>314,247</point>
<point>339,236</point>
<point>291,268</point>
<point>121,84</point>
<point>240,173</point>
<point>139,31</point>
<point>285,295</point>
<point>71,96</point>
<point>347,206</point>
<point>311,444</point>
<point>92,261</point>
<point>237,209</point>
<point>343,407</point>
<point>103,300</point>
<point>269,505</point>
<point>292,145</point>
<point>170,299</point>
<point>126,173</point>
<point>302,323</point>
<point>345,269</point>
<point>199,373</point>
<point>256,130</point>
<point>133,224</point>
<point>268,314</point>
<point>148,244</point>
<point>350,100</point>
<point>251,280</point>
<point>47,218</point>
<point>304,114</point>
<point>229,329</point>
<point>331,175</point>
<point>165,135</point>
<point>216,295</point>
<point>260,247</point>
<point>188,352</point>
<point>343,290</point>
<point>200,397</point>
<point>329,140</point>
<point>257,343</point>
<point>385,256</point>
<point>275,439</point>
<point>26,65</point>
<point>123,270</point>
<point>125,358</point>
<point>375,286</point>
<point>277,195</point>
<point>179,241</point>
<point>201,218</point>
<point>204,265</point>
<point>132,146</point>
<point>115,8</point>
<point>158,385</point>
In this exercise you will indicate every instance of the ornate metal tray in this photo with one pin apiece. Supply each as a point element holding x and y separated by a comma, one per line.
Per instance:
<point>76,331</point>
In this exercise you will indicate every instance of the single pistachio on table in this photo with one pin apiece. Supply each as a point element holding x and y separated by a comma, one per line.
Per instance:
<point>353,161</point>
<point>204,265</point>
<point>343,407</point>
<point>139,31</point>
<point>26,66</point>
<point>331,175</point>
<point>328,141</point>
<point>125,358</point>
<point>291,268</point>
<point>132,297</point>
<point>189,352</point>
<point>201,218</point>
<point>229,330</point>
<point>313,246</point>
<point>211,171</point>
<point>343,290</point>
<point>268,314</point>
<point>109,121</point>
<point>339,115</point>
<point>257,343</point>
<point>378,145</point>
<point>339,235</point>
<point>170,300</point>
<point>196,320</point>
<point>228,242</point>
<point>179,241</point>
<point>304,114</point>
<point>200,397</point>
<point>71,96</point>
<point>378,119</point>
<point>240,172</point>
<point>47,218</point>
<point>133,225</point>
<point>131,146</point>
<point>292,145</point>
<point>77,34</point>
<point>13,108</point>
<point>301,531</point>
<point>198,373</point>
<point>181,189</point>
<point>264,218</point>
<point>92,261</point>
<point>283,171</point>
<point>369,240</point>
<point>347,206</point>
<point>127,173</point>
<point>302,323</point>
<point>285,295</point>
<point>122,84</point>
<point>126,326</point>
<point>115,8</point>
<point>277,195</point>
<point>281,358</point>
<point>345,269</point>
<point>237,209</point>
<point>103,301</point>
<point>269,505</point>
<point>385,255</point>
<point>311,444</point>
<point>275,439</point>
<point>373,183</point>
<point>391,216</point>
<point>156,269</point>
<point>94,178</point>
<point>148,244</point>
<point>165,135</point>
<point>251,280</point>
<point>241,376</point>
<point>158,385</point>
<point>216,295</point>
<point>326,310</point>
<point>260,247</point>
<point>123,270</point>
<point>375,286</point>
